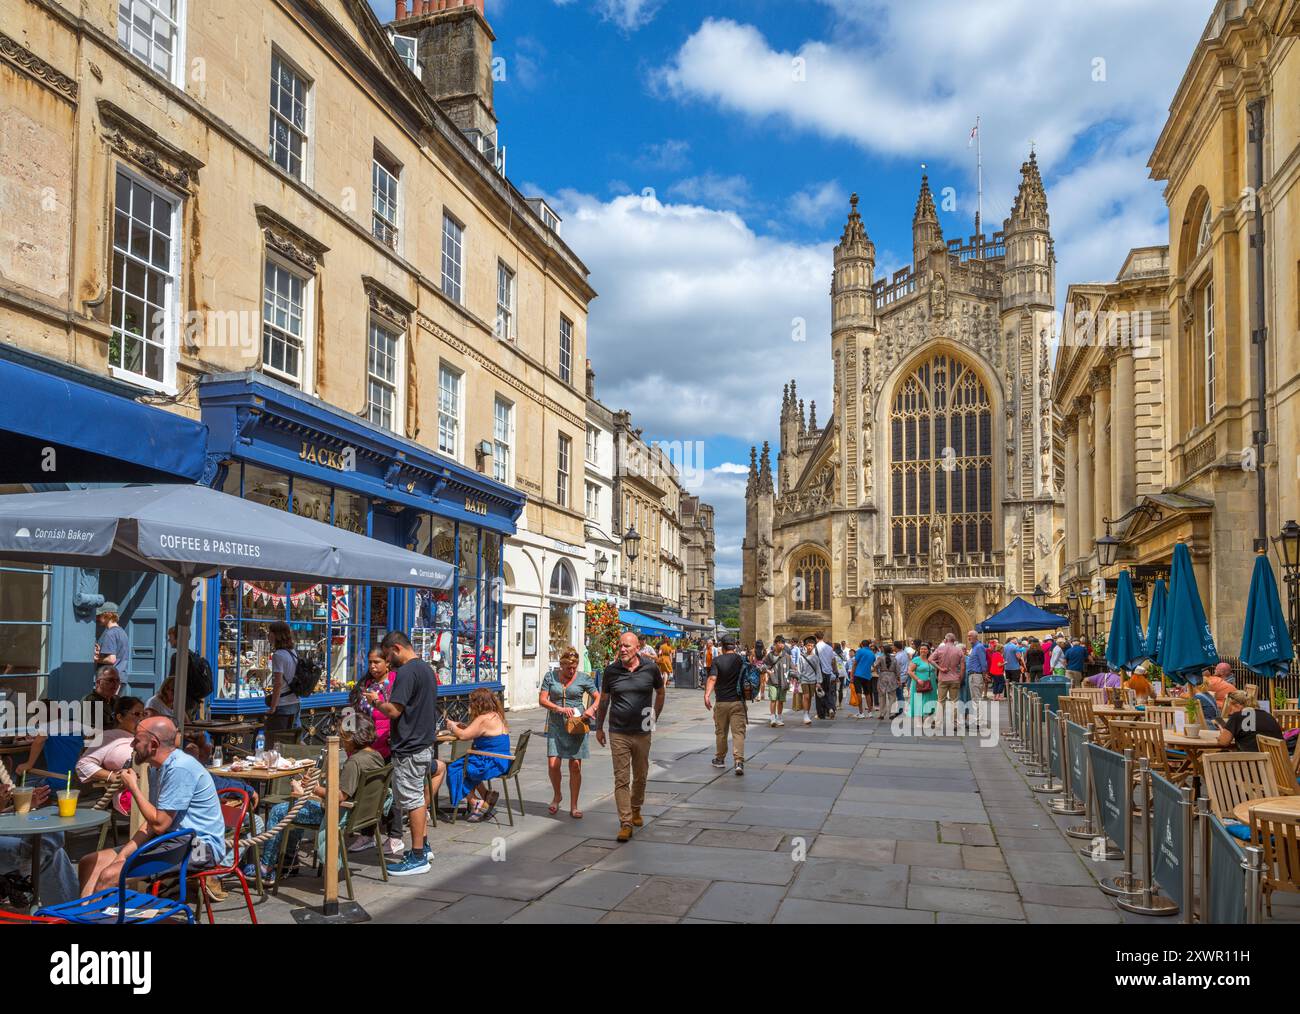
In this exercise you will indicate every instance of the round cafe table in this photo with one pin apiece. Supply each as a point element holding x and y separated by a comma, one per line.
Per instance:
<point>1289,805</point>
<point>37,824</point>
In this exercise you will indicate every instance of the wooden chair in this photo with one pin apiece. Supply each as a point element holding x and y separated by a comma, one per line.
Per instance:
<point>1231,779</point>
<point>1279,836</point>
<point>1146,739</point>
<point>1283,766</point>
<point>1288,718</point>
<point>1162,716</point>
<point>1096,694</point>
<point>1252,689</point>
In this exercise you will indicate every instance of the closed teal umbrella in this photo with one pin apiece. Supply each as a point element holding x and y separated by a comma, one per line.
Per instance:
<point>1156,619</point>
<point>1124,642</point>
<point>1265,642</point>
<point>1187,646</point>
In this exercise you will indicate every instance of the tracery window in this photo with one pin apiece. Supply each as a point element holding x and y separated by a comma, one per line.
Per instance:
<point>941,461</point>
<point>810,577</point>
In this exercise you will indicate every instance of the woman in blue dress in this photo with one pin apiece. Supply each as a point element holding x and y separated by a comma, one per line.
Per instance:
<point>567,694</point>
<point>489,736</point>
<point>921,703</point>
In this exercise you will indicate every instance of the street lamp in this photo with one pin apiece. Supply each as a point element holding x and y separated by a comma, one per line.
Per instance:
<point>1072,603</point>
<point>1108,549</point>
<point>1288,548</point>
<point>1040,596</point>
<point>1085,600</point>
<point>602,565</point>
<point>632,543</point>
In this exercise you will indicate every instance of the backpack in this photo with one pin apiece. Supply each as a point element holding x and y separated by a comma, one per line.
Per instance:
<point>307,673</point>
<point>749,680</point>
<point>198,680</point>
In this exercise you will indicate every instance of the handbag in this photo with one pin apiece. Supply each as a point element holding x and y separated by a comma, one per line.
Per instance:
<point>578,725</point>
<point>854,700</point>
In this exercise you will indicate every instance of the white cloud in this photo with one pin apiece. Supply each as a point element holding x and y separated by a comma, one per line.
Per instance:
<point>1082,79</point>
<point>628,15</point>
<point>817,203</point>
<point>731,468</point>
<point>712,190</point>
<point>671,155</point>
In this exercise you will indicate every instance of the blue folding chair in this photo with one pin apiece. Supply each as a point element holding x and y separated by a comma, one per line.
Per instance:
<point>167,854</point>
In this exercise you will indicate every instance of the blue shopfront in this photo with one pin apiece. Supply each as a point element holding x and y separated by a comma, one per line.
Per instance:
<point>62,427</point>
<point>273,444</point>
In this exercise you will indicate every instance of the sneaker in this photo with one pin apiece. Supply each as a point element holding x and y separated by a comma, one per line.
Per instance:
<point>395,847</point>
<point>771,723</point>
<point>779,724</point>
<point>740,768</point>
<point>360,843</point>
<point>412,863</point>
<point>719,763</point>
<point>807,720</point>
<point>861,714</point>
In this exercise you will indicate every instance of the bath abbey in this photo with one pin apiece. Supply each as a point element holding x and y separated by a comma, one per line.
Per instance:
<point>933,492</point>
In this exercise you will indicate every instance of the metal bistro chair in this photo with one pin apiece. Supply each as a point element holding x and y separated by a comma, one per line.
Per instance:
<point>234,817</point>
<point>160,857</point>
<point>462,748</point>
<point>363,814</point>
<point>1283,770</point>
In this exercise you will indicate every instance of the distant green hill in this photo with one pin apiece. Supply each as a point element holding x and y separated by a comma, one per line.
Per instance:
<point>726,606</point>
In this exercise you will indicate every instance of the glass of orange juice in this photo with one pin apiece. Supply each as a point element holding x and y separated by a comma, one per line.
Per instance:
<point>68,802</point>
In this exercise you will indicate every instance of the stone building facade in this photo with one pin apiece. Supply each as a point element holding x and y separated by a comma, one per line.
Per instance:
<point>1109,381</point>
<point>366,209</point>
<point>699,542</point>
<point>648,496</point>
<point>932,493</point>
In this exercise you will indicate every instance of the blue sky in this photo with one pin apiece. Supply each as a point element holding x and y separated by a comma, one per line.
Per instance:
<point>702,153</point>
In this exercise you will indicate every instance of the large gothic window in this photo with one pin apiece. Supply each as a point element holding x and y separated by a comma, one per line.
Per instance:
<point>941,461</point>
<point>810,577</point>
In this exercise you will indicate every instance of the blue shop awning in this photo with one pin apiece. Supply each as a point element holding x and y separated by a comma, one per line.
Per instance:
<point>643,624</point>
<point>95,433</point>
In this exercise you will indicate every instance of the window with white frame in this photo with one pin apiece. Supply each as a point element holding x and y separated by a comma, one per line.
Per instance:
<point>502,423</point>
<point>284,321</point>
<point>593,502</point>
<point>385,175</point>
<point>505,302</point>
<point>145,280</point>
<point>288,117</point>
<point>566,350</point>
<point>449,411</point>
<point>1209,352</point>
<point>453,251</point>
<point>562,471</point>
<point>382,370</point>
<point>150,30</point>
<point>593,445</point>
<point>408,48</point>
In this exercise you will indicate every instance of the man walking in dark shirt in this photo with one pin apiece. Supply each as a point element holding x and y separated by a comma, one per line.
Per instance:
<point>729,707</point>
<point>632,694</point>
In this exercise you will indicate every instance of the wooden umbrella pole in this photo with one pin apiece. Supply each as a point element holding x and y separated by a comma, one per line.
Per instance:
<point>331,904</point>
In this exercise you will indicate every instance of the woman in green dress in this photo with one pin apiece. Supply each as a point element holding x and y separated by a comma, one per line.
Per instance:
<point>563,696</point>
<point>922,704</point>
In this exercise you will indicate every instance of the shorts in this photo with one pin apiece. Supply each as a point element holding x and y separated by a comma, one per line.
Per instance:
<point>863,686</point>
<point>409,771</point>
<point>776,692</point>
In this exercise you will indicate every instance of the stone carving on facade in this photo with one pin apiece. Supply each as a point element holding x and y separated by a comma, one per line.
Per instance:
<point>1044,546</point>
<point>992,597</point>
<point>385,303</point>
<point>288,240</point>
<point>938,561</point>
<point>31,64</point>
<point>143,146</point>
<point>938,298</point>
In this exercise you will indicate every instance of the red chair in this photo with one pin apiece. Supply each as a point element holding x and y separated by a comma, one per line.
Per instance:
<point>234,817</point>
<point>18,919</point>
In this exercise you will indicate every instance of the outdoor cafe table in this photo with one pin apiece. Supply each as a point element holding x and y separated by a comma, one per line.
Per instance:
<point>1289,805</point>
<point>260,774</point>
<point>37,824</point>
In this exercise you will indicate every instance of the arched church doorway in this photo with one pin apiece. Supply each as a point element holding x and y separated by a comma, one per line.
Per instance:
<point>936,626</point>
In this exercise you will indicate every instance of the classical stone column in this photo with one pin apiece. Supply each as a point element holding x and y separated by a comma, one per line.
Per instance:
<point>1101,421</point>
<point>1087,524</point>
<point>1070,427</point>
<point>1123,416</point>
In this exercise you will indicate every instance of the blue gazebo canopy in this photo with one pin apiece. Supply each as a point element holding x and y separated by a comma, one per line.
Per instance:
<point>1021,615</point>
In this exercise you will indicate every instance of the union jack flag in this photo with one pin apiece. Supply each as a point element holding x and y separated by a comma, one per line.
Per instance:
<point>340,609</point>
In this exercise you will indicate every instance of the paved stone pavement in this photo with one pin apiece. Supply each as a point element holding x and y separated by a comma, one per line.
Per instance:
<point>841,821</point>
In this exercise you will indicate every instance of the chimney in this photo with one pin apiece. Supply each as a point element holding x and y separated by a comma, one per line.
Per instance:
<point>455,57</point>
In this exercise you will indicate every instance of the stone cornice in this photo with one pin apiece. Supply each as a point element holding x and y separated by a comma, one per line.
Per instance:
<point>288,240</point>
<point>386,303</point>
<point>140,144</point>
<point>38,70</point>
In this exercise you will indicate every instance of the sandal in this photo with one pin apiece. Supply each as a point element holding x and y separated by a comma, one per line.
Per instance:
<point>576,814</point>
<point>554,808</point>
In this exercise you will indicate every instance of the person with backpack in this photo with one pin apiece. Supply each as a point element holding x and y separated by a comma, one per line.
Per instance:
<point>281,700</point>
<point>726,687</point>
<point>198,676</point>
<point>810,679</point>
<point>776,680</point>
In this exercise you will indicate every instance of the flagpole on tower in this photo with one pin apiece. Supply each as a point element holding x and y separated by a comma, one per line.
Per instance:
<point>979,163</point>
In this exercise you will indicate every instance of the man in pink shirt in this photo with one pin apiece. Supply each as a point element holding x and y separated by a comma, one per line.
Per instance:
<point>950,660</point>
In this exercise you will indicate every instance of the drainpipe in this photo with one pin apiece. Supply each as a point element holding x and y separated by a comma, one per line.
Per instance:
<point>1259,322</point>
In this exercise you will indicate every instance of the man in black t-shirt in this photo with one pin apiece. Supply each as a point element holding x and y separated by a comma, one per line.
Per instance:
<point>413,708</point>
<point>632,694</point>
<point>1244,720</point>
<point>729,707</point>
